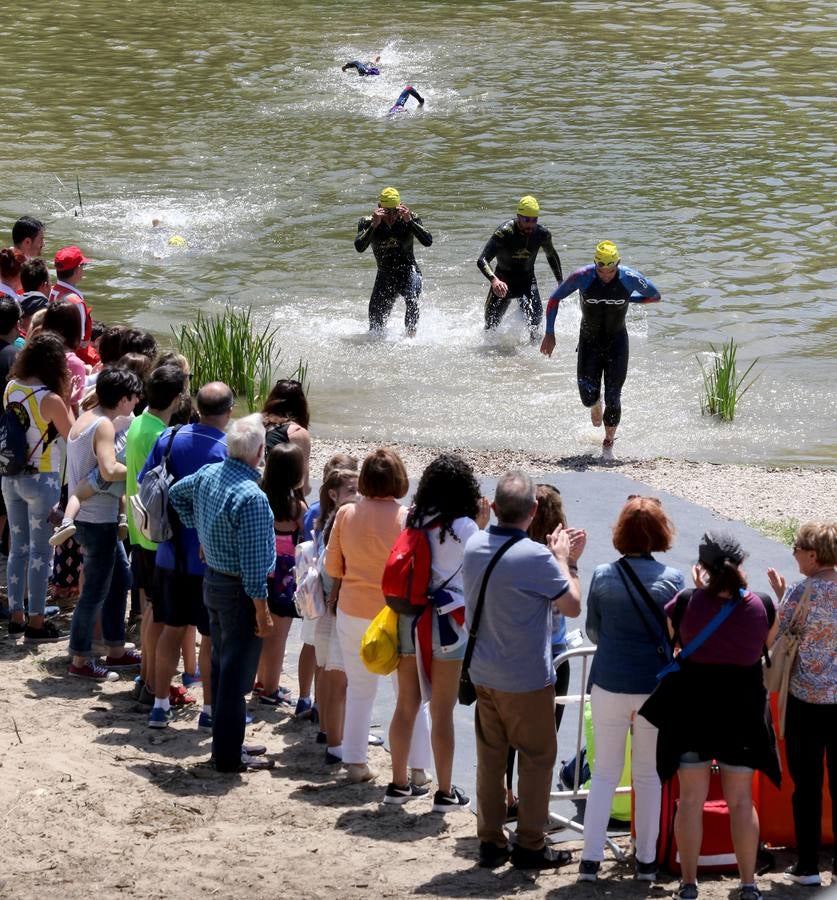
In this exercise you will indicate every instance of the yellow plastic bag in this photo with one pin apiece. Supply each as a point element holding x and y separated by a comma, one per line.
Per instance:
<point>379,646</point>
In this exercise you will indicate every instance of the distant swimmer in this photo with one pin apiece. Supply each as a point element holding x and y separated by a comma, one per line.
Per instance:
<point>515,245</point>
<point>364,68</point>
<point>403,97</point>
<point>390,230</point>
<point>175,240</point>
<point>606,289</point>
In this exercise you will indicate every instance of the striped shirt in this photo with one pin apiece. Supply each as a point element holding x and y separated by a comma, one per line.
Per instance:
<point>232,516</point>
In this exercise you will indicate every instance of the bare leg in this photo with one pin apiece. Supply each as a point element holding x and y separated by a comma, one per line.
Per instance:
<point>596,413</point>
<point>187,648</point>
<point>273,655</point>
<point>688,822</point>
<point>445,677</point>
<point>404,718</point>
<point>306,667</point>
<point>332,721</point>
<point>166,658</point>
<point>743,821</point>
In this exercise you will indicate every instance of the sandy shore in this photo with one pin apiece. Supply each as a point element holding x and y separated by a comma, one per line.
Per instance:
<point>94,803</point>
<point>748,493</point>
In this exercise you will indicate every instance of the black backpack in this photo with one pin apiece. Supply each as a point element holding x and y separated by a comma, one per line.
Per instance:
<point>14,425</point>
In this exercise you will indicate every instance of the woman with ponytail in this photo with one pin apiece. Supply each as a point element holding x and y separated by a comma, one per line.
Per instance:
<point>714,708</point>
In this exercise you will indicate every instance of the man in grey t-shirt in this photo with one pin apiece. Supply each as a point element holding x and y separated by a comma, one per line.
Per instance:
<point>512,671</point>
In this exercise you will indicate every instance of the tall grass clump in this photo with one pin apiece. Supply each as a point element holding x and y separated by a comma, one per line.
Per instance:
<point>226,348</point>
<point>723,387</point>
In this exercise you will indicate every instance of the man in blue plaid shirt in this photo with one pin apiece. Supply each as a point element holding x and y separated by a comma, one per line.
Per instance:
<point>224,503</point>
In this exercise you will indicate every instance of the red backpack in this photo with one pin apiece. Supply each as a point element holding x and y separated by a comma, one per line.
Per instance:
<point>406,580</point>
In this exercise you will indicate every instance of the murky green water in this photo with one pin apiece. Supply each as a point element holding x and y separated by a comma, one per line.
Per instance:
<point>698,136</point>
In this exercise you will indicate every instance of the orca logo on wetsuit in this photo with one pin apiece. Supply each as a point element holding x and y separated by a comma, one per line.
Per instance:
<point>610,301</point>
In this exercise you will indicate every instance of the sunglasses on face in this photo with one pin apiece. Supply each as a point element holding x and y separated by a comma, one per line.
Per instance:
<point>527,218</point>
<point>797,546</point>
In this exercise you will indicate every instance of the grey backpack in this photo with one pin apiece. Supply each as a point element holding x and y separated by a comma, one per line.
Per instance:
<point>150,505</point>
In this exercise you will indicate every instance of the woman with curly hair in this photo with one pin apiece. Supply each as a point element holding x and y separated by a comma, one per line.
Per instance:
<point>449,506</point>
<point>39,383</point>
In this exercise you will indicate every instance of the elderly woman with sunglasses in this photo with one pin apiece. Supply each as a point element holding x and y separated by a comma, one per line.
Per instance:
<point>811,717</point>
<point>626,620</point>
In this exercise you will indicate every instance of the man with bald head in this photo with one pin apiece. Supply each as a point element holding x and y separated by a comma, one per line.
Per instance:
<point>179,568</point>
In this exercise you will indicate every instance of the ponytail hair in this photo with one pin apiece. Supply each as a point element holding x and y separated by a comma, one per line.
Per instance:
<point>727,578</point>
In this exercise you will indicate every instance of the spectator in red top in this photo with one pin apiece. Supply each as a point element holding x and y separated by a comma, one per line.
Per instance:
<point>11,262</point>
<point>69,267</point>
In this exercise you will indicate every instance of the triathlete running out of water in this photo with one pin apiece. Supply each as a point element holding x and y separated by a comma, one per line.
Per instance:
<point>390,230</point>
<point>605,289</point>
<point>409,91</point>
<point>364,68</point>
<point>515,245</point>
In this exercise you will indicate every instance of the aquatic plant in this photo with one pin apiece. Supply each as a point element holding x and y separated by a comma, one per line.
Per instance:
<point>723,388</point>
<point>227,348</point>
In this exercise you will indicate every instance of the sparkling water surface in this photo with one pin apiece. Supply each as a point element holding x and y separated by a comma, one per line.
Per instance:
<point>699,137</point>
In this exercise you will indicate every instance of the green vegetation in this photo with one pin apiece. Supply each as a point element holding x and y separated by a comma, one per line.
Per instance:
<point>722,386</point>
<point>783,530</point>
<point>227,348</point>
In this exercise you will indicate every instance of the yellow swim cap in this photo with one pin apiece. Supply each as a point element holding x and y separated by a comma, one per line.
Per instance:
<point>528,206</point>
<point>606,253</point>
<point>177,240</point>
<point>389,198</point>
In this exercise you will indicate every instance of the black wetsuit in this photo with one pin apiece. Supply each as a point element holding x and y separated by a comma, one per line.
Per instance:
<point>398,271</point>
<point>515,253</point>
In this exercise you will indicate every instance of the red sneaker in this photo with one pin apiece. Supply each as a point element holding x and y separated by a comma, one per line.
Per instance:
<point>91,671</point>
<point>130,659</point>
<point>179,697</point>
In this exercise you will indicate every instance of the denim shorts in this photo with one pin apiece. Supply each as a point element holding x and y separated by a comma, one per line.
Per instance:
<point>693,760</point>
<point>408,648</point>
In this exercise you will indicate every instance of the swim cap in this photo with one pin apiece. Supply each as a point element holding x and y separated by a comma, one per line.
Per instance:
<point>606,253</point>
<point>389,198</point>
<point>528,206</point>
<point>177,240</point>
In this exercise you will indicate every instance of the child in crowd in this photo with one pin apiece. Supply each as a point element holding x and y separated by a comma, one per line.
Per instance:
<point>284,473</point>
<point>339,487</point>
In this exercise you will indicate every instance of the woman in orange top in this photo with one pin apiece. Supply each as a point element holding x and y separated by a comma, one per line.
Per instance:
<point>360,542</point>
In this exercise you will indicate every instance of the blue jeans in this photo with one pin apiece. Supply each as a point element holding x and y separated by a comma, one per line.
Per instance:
<point>29,498</point>
<point>235,658</point>
<point>107,580</point>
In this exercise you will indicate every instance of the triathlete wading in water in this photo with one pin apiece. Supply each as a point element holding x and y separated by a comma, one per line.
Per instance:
<point>515,245</point>
<point>605,289</point>
<point>390,230</point>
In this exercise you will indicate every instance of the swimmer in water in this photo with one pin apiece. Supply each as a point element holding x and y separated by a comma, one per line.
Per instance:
<point>176,240</point>
<point>364,68</point>
<point>390,230</point>
<point>408,92</point>
<point>605,289</point>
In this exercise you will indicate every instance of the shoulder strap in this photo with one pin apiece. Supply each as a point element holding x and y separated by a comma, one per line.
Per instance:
<point>171,441</point>
<point>659,639</point>
<point>699,639</point>
<point>447,581</point>
<point>475,624</point>
<point>683,600</point>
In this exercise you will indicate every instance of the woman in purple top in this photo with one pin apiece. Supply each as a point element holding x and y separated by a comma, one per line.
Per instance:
<point>811,717</point>
<point>714,707</point>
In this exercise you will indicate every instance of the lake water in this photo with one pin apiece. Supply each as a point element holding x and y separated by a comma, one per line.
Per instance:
<point>700,137</point>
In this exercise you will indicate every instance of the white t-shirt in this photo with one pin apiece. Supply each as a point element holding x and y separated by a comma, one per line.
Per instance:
<point>447,557</point>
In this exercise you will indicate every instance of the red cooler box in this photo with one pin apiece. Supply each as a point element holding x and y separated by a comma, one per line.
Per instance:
<point>774,806</point>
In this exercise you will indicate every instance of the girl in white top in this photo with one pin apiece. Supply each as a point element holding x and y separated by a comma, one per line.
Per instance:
<point>448,504</point>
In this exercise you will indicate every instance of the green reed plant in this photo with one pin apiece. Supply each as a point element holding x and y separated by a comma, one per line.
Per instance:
<point>723,387</point>
<point>227,348</point>
<point>783,530</point>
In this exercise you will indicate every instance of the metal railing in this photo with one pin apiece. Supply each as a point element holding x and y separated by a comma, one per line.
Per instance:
<point>556,821</point>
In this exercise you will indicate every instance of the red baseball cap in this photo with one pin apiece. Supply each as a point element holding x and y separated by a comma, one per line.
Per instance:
<point>68,258</point>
